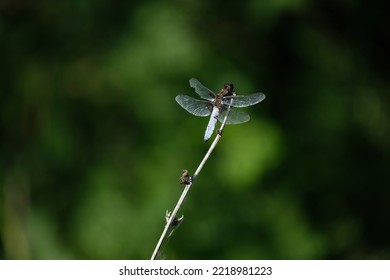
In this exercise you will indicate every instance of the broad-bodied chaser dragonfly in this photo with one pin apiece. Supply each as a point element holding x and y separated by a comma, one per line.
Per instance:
<point>217,104</point>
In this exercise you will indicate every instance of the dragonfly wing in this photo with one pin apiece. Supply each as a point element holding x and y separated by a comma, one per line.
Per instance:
<point>200,89</point>
<point>235,117</point>
<point>244,100</point>
<point>194,106</point>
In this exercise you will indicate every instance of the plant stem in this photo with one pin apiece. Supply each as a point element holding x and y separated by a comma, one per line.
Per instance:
<point>188,186</point>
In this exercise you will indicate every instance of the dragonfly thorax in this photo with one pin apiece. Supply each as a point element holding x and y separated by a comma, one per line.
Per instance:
<point>228,90</point>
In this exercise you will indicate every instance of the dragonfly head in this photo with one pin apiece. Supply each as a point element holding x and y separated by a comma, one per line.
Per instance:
<point>229,89</point>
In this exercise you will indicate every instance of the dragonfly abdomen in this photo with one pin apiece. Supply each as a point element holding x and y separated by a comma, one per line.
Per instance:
<point>212,122</point>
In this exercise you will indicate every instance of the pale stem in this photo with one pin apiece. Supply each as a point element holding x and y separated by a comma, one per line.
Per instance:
<point>188,186</point>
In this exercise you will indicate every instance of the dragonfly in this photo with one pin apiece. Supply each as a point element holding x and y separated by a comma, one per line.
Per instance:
<point>216,105</point>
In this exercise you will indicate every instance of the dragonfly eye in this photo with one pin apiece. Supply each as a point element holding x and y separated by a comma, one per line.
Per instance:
<point>229,88</point>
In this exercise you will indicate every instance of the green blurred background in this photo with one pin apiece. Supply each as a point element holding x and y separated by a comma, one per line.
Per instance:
<point>93,142</point>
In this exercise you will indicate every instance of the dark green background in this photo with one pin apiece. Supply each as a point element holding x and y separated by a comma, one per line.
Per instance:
<point>93,142</point>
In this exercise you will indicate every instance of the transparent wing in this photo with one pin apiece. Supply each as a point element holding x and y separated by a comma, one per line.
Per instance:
<point>244,100</point>
<point>235,117</point>
<point>194,106</point>
<point>200,89</point>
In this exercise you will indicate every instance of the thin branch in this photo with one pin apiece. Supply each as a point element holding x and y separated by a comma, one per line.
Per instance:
<point>172,215</point>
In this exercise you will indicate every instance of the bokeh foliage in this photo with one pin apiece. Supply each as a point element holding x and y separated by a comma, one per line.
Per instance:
<point>93,143</point>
